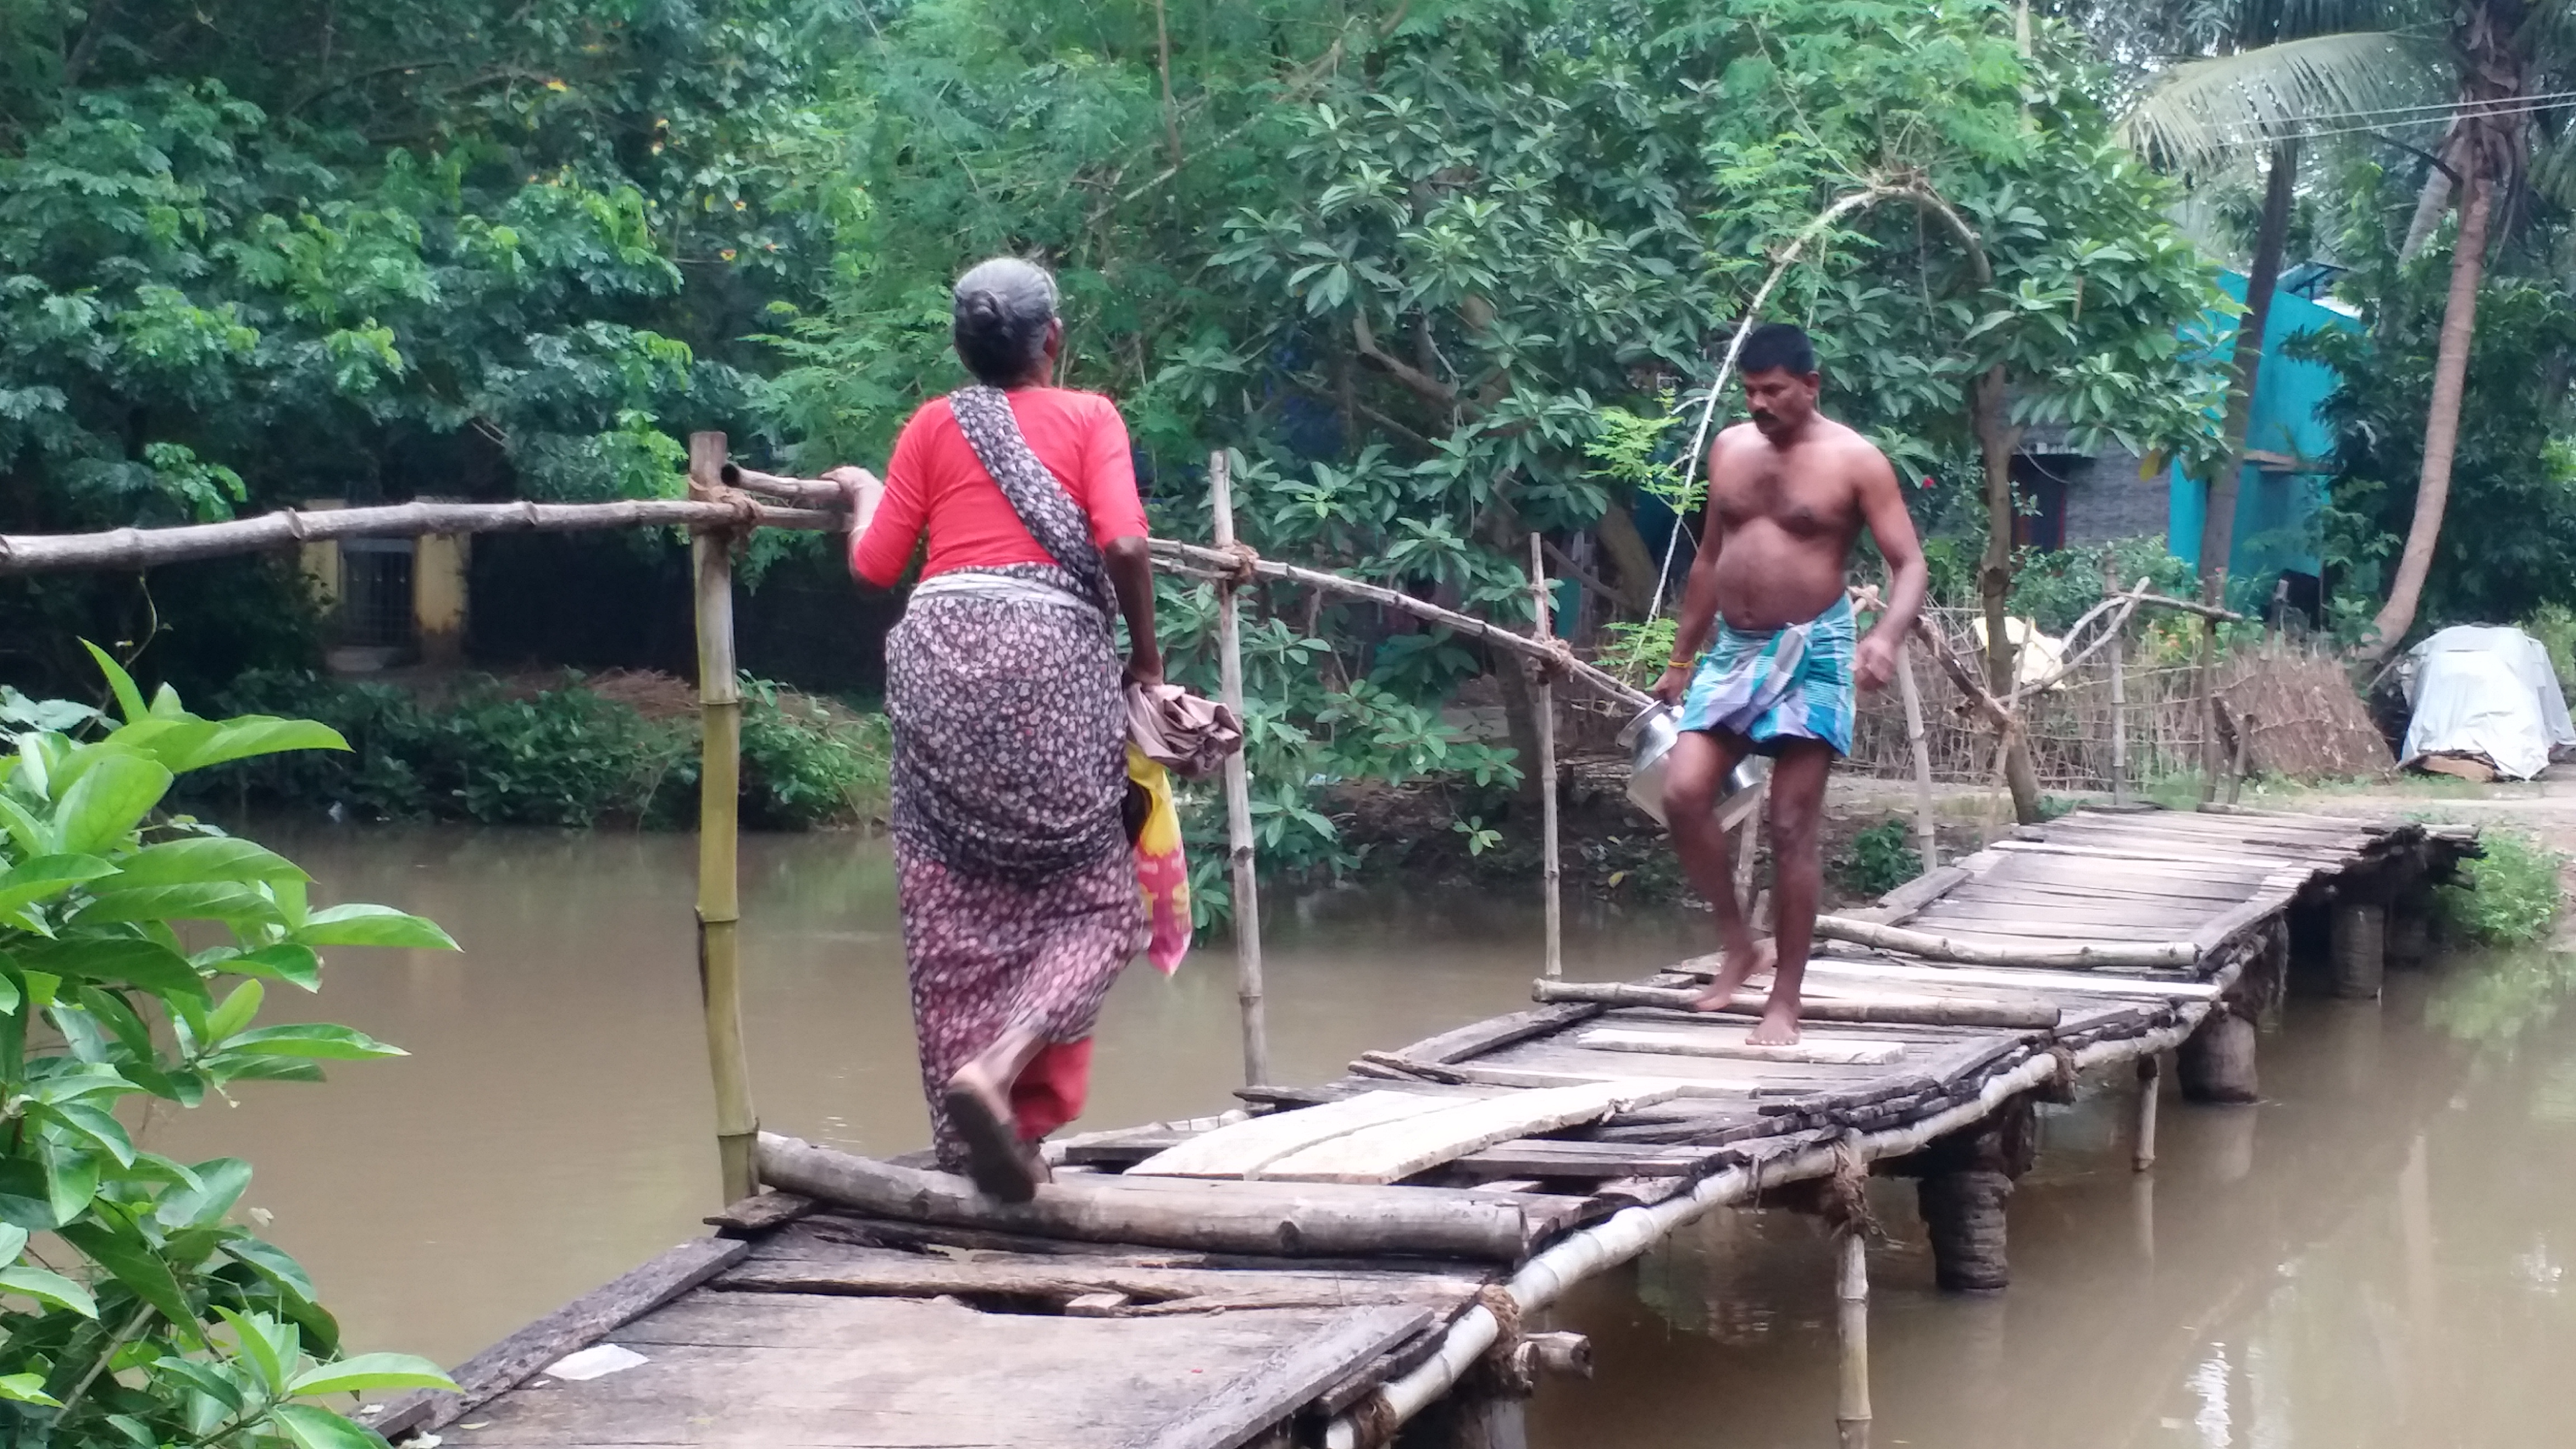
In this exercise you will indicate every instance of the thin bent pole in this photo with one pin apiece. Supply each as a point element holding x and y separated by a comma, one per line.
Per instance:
<point>1544,706</point>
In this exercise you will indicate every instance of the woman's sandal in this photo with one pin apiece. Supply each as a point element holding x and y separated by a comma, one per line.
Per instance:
<point>1004,1168</point>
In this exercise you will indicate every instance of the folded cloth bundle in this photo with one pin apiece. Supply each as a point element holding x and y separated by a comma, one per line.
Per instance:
<point>1180,731</point>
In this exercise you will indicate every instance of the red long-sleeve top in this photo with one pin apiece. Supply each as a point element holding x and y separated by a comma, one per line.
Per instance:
<point>934,484</point>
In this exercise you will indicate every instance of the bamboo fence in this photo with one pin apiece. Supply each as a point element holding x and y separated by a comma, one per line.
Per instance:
<point>2296,710</point>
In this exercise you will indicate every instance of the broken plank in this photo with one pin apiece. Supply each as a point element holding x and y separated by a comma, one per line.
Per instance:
<point>1399,1149</point>
<point>1732,1044</point>
<point>759,1213</point>
<point>1477,1038</point>
<point>576,1325</point>
<point>1243,1149</point>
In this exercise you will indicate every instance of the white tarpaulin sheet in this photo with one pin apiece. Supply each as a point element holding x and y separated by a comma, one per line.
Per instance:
<point>2485,690</point>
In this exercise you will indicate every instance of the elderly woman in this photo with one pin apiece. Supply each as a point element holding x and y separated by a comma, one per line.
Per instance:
<point>1019,893</point>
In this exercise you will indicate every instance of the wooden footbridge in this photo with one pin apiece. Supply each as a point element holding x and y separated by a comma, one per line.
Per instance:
<point>1343,1257</point>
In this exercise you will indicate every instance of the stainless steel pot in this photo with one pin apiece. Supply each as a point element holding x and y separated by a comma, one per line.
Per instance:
<point>1649,741</point>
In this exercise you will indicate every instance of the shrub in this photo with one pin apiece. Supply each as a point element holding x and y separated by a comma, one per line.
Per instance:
<point>1877,861</point>
<point>184,1328</point>
<point>2508,896</point>
<point>566,756</point>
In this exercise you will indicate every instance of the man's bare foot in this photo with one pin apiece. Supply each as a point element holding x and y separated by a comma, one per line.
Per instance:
<point>1778,1026</point>
<point>1737,968</point>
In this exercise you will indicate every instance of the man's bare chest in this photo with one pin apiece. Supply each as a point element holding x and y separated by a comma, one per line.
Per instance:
<point>1809,498</point>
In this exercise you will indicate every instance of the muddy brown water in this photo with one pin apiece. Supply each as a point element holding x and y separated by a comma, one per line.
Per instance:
<point>2376,1255</point>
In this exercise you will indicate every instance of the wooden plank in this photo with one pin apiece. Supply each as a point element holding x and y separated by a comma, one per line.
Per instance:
<point>1285,1381</point>
<point>1927,886</point>
<point>1477,1038</point>
<point>1243,1149</point>
<point>735,1370</point>
<point>2214,932</point>
<point>1284,1218</point>
<point>1826,1001</point>
<point>759,1213</point>
<point>1714,1043</point>
<point>2027,886</point>
<point>576,1325</point>
<point>1023,1282</point>
<point>1399,1149</point>
<point>1544,1158</point>
<point>2065,911</point>
<point>2104,983</point>
<point>2049,926</point>
<point>2095,863</point>
<point>2212,861</point>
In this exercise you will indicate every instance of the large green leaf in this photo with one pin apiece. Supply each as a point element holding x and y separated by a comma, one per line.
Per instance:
<point>71,1179</point>
<point>240,739</point>
<point>309,1426</point>
<point>366,1372</point>
<point>235,1012</point>
<point>128,698</point>
<point>112,960</point>
<point>132,1262</point>
<point>208,900</point>
<point>174,742</point>
<point>362,925</point>
<point>27,1389</point>
<point>295,965</point>
<point>272,1263</point>
<point>224,1180</point>
<point>47,876</point>
<point>26,1199</point>
<point>324,1040</point>
<point>104,805</point>
<point>51,1288</point>
<point>205,858</point>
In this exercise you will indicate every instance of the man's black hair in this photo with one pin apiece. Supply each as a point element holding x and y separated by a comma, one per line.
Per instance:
<point>1777,344</point>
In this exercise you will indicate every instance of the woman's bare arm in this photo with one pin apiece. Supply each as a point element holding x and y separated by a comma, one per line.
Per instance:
<point>1131,572</point>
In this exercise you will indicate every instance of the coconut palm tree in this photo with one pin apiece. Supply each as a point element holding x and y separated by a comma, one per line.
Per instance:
<point>2371,68</point>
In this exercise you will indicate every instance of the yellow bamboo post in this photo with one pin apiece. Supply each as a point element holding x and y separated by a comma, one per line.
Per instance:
<point>1544,703</point>
<point>1238,794</point>
<point>1851,1304</point>
<point>1927,838</point>
<point>719,806</point>
<point>2208,710</point>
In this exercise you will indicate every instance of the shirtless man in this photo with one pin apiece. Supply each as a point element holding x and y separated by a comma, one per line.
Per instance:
<point>1788,495</point>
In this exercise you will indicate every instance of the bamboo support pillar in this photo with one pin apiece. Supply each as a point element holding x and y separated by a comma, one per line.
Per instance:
<point>1544,706</point>
<point>1238,794</point>
<point>1851,1319</point>
<point>2207,709</point>
<point>2142,1151</point>
<point>1927,838</point>
<point>2119,720</point>
<point>719,808</point>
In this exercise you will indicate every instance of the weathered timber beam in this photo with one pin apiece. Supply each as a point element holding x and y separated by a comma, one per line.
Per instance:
<point>137,548</point>
<point>2167,955</point>
<point>1298,1219</point>
<point>1918,1011</point>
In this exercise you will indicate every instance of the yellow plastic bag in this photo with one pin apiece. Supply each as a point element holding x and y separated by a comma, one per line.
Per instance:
<point>1161,874</point>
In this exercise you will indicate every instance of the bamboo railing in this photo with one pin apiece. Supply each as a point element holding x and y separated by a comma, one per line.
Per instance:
<point>726,502</point>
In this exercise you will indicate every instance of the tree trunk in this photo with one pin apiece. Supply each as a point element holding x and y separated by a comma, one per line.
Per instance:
<point>2441,418</point>
<point>2218,524</point>
<point>2435,198</point>
<point>1633,563</point>
<point>1996,441</point>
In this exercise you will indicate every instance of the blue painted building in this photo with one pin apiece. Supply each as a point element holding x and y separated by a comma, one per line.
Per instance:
<point>2079,499</point>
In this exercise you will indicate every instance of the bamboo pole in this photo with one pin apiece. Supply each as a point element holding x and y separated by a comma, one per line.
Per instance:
<point>2119,720</point>
<point>2142,1153</point>
<point>2141,955</point>
<point>1238,792</point>
<point>1927,839</point>
<point>1217,564</point>
<point>2208,710</point>
<point>719,806</point>
<point>1545,705</point>
<point>138,548</point>
<point>1851,1304</point>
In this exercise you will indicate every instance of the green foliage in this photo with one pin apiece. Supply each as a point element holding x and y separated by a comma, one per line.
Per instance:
<point>179,1326</point>
<point>2554,625</point>
<point>568,756</point>
<point>2507,897</point>
<point>1480,837</point>
<point>2054,588</point>
<point>1877,861</point>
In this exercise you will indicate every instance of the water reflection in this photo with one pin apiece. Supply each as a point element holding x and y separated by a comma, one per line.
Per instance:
<point>2375,1255</point>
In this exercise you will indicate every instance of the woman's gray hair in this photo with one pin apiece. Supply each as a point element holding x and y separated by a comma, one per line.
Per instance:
<point>1002,308</point>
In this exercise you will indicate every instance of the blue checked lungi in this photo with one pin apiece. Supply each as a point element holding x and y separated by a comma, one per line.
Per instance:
<point>1792,683</point>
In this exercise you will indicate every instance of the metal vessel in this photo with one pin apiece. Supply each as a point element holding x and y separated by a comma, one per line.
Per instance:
<point>1649,740</point>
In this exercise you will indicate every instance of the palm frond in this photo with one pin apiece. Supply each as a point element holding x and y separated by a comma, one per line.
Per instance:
<point>2193,115</point>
